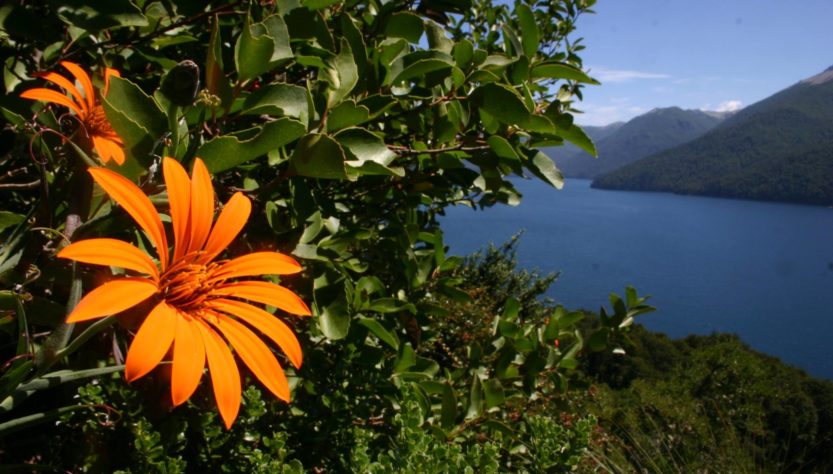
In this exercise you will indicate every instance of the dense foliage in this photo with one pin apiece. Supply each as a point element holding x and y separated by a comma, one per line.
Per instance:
<point>349,126</point>
<point>642,136</point>
<point>709,403</point>
<point>779,149</point>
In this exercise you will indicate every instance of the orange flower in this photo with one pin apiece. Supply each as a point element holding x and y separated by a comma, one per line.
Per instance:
<point>87,108</point>
<point>197,301</point>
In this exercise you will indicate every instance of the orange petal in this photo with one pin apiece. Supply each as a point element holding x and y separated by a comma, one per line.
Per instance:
<point>225,378</point>
<point>134,201</point>
<point>258,263</point>
<point>202,206</point>
<point>255,354</point>
<point>84,79</point>
<point>266,293</point>
<point>189,359</point>
<point>231,220</point>
<point>68,86</point>
<point>268,324</point>
<point>112,297</point>
<point>55,97</point>
<point>108,73</point>
<point>108,149</point>
<point>110,252</point>
<point>151,342</point>
<point>179,197</point>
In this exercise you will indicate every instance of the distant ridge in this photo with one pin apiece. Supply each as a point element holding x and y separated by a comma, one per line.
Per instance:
<point>779,149</point>
<point>622,143</point>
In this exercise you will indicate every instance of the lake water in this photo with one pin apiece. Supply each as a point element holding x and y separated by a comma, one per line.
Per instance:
<point>760,270</point>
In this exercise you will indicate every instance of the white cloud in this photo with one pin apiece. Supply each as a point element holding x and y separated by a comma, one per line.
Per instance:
<point>729,106</point>
<point>598,115</point>
<point>623,75</point>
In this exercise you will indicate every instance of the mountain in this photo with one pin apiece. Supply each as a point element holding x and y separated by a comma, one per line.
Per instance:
<point>779,149</point>
<point>619,144</point>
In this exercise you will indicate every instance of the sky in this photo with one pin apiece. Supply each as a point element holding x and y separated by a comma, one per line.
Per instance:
<point>706,54</point>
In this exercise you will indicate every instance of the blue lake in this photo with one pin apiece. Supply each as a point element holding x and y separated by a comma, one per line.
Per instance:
<point>761,270</point>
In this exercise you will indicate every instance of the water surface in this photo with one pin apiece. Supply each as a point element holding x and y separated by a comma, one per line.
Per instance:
<point>760,270</point>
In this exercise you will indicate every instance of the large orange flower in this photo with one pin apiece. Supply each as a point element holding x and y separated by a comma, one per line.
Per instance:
<point>86,106</point>
<point>197,301</point>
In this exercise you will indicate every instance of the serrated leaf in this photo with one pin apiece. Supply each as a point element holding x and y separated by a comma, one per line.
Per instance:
<point>261,47</point>
<point>319,156</point>
<point>347,114</point>
<point>366,153</point>
<point>227,151</point>
<point>278,99</point>
<point>420,68</point>
<point>137,119</point>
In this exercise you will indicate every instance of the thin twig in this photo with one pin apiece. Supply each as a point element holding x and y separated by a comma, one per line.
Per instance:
<point>29,185</point>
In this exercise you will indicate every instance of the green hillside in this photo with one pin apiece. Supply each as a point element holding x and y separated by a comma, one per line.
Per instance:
<point>779,149</point>
<point>649,133</point>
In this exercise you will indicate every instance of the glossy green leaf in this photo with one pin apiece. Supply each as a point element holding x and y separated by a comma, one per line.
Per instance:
<point>448,413</point>
<point>279,100</point>
<point>405,25</point>
<point>138,120</point>
<point>421,68</point>
<point>475,399</point>
<point>366,153</point>
<point>227,151</point>
<point>543,167</point>
<point>553,70</point>
<point>577,136</point>
<point>319,156</point>
<point>334,321</point>
<point>347,114</point>
<point>530,35</point>
<point>381,332</point>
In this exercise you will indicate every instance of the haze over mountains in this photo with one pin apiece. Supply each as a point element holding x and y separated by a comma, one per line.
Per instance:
<point>619,144</point>
<point>779,149</point>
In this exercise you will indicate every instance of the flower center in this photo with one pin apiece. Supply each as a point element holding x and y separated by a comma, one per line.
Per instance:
<point>186,285</point>
<point>97,124</point>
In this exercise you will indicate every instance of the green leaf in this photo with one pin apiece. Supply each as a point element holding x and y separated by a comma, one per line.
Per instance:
<point>502,103</point>
<point>553,70</point>
<point>493,391</point>
<point>35,419</point>
<point>379,331</point>
<point>261,47</point>
<point>97,15</point>
<point>577,136</point>
<point>475,399</point>
<point>598,341</point>
<point>279,99</point>
<point>216,81</point>
<point>137,119</point>
<point>511,309</point>
<point>366,153</point>
<point>437,39</point>
<point>448,413</point>
<point>347,114</point>
<point>543,167</point>
<point>530,36</point>
<point>342,74</point>
<point>407,358</point>
<point>318,4</point>
<point>405,25</point>
<point>502,148</point>
<point>9,219</point>
<point>319,156</point>
<point>334,321</point>
<point>390,305</point>
<point>227,151</point>
<point>420,68</point>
